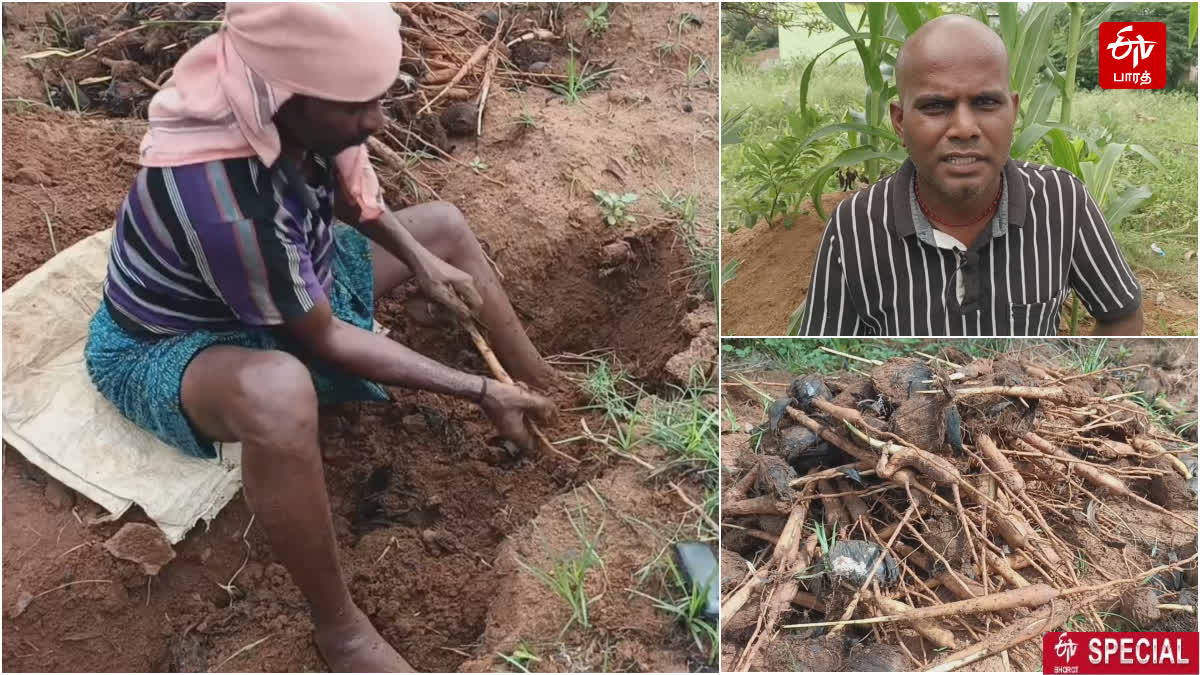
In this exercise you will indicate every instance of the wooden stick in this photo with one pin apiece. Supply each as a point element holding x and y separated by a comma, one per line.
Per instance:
<point>500,374</point>
<point>1055,394</point>
<point>394,159</point>
<point>760,505</point>
<point>487,84</point>
<point>850,356</point>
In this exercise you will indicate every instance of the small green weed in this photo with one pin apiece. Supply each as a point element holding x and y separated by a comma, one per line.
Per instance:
<point>525,121</point>
<point>615,207</point>
<point>597,19</point>
<point>1088,355</point>
<point>825,540</point>
<point>479,166</point>
<point>688,20</point>
<point>680,205</point>
<point>686,603</point>
<point>567,576</point>
<point>521,657</point>
<point>577,84</point>
<point>705,256</point>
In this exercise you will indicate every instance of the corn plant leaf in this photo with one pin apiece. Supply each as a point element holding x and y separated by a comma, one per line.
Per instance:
<point>1093,24</point>
<point>836,12</point>
<point>1105,172</point>
<point>806,78</point>
<point>910,14</point>
<point>1192,20</point>
<point>857,127</point>
<point>1008,24</point>
<point>1147,155</point>
<point>1034,30</point>
<point>1037,109</point>
<point>1062,151</point>
<point>877,18</point>
<point>1030,135</point>
<point>1127,202</point>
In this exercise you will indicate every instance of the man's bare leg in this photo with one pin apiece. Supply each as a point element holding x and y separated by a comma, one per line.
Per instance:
<point>441,228</point>
<point>265,399</point>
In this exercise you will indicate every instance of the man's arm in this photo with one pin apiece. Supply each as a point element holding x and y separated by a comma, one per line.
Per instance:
<point>1130,324</point>
<point>372,356</point>
<point>1100,277</point>
<point>439,281</point>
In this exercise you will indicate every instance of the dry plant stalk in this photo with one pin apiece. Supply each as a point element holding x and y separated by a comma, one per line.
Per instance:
<point>1029,597</point>
<point>1019,487</point>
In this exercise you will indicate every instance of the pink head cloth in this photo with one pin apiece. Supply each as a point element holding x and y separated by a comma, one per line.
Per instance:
<point>224,92</point>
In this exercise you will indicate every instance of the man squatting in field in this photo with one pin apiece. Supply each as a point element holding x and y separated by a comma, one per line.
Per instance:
<point>234,303</point>
<point>963,240</point>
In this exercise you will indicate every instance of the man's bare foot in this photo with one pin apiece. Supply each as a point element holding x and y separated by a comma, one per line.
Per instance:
<point>354,646</point>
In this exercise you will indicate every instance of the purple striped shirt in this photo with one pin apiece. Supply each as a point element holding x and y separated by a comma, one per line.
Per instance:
<point>220,246</point>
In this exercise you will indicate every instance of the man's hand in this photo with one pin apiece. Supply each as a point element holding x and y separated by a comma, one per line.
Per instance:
<point>447,285</point>
<point>507,406</point>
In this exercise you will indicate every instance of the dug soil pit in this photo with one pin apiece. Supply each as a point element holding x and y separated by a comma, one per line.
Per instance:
<point>1046,488</point>
<point>432,519</point>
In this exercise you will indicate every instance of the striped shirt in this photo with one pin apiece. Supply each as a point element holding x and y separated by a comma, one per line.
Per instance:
<point>219,246</point>
<point>882,269</point>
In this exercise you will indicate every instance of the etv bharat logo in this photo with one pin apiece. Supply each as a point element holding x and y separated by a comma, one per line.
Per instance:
<point>1065,648</point>
<point>1133,55</point>
<point>1141,44</point>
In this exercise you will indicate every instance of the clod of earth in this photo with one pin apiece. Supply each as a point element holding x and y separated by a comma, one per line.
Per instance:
<point>615,254</point>
<point>142,544</point>
<point>526,53</point>
<point>459,119</point>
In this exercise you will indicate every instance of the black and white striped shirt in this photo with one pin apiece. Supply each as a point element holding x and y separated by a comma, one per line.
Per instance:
<point>879,270</point>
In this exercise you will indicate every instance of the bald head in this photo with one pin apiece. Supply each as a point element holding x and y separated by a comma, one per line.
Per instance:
<point>956,111</point>
<point>948,39</point>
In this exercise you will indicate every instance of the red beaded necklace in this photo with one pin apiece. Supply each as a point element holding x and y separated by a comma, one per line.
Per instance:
<point>987,213</point>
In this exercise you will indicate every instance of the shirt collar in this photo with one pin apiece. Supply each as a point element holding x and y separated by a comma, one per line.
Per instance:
<point>926,232</point>
<point>905,207</point>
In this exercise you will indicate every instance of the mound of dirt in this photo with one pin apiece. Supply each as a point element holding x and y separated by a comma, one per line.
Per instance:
<point>774,266</point>
<point>422,505</point>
